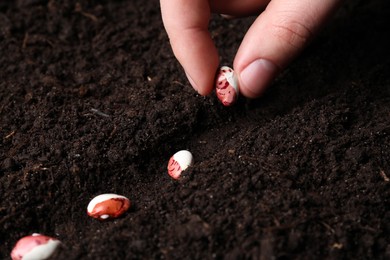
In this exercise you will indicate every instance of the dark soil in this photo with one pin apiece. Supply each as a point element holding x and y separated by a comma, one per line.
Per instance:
<point>93,101</point>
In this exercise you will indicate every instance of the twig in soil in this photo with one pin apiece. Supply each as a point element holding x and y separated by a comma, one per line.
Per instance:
<point>79,9</point>
<point>384,176</point>
<point>178,83</point>
<point>113,131</point>
<point>337,246</point>
<point>327,227</point>
<point>36,38</point>
<point>10,134</point>
<point>97,112</point>
<point>247,157</point>
<point>25,39</point>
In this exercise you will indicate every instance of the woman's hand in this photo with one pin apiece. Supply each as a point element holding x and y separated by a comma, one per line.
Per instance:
<point>280,32</point>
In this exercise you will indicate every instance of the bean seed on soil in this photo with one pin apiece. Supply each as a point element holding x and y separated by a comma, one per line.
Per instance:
<point>107,206</point>
<point>34,247</point>
<point>179,162</point>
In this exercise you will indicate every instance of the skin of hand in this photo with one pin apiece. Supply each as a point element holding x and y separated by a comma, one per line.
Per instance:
<point>278,35</point>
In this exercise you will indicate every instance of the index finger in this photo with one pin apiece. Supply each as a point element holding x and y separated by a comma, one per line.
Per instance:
<point>186,23</point>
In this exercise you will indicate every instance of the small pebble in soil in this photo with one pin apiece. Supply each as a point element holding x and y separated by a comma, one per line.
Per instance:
<point>34,247</point>
<point>179,162</point>
<point>106,206</point>
<point>226,86</point>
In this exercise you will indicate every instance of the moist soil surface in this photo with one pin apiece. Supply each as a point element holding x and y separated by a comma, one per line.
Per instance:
<point>93,101</point>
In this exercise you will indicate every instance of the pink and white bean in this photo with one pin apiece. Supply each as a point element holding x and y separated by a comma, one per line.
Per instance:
<point>226,86</point>
<point>107,206</point>
<point>34,247</point>
<point>179,162</point>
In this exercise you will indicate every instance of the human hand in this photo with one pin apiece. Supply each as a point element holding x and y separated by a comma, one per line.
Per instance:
<point>279,33</point>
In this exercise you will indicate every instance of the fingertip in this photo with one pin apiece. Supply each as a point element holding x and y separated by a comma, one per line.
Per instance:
<point>201,88</point>
<point>186,23</point>
<point>200,67</point>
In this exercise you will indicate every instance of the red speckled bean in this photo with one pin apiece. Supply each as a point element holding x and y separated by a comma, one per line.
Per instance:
<point>226,86</point>
<point>107,206</point>
<point>179,162</point>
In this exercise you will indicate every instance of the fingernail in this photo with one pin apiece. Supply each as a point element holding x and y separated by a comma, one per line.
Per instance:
<point>256,76</point>
<point>193,84</point>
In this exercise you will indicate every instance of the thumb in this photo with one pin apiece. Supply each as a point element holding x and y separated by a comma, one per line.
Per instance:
<point>275,38</point>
